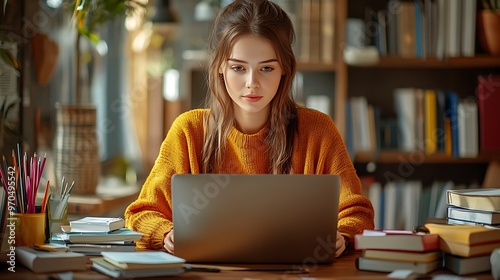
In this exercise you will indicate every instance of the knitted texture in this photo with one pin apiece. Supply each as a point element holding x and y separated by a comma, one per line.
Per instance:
<point>318,149</point>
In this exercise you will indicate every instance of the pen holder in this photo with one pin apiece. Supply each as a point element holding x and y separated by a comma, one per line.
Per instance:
<point>30,228</point>
<point>57,215</point>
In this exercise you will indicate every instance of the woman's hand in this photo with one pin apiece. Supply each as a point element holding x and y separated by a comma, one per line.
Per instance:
<point>339,244</point>
<point>168,242</point>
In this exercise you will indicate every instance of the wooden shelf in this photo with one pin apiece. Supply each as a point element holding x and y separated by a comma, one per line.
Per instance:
<point>420,157</point>
<point>479,61</point>
<point>313,67</point>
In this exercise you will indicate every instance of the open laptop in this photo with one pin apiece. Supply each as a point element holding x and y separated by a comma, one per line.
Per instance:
<point>264,218</point>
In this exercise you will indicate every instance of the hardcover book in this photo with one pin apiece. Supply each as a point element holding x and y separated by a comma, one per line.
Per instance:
<point>122,234</point>
<point>464,234</point>
<point>463,266</point>
<point>389,266</point>
<point>143,259</point>
<point>396,240</point>
<point>96,224</point>
<point>486,199</point>
<point>402,256</point>
<point>488,97</point>
<point>473,216</point>
<point>101,265</point>
<point>42,261</point>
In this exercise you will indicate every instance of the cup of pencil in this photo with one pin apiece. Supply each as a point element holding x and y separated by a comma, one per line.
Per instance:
<point>30,228</point>
<point>58,207</point>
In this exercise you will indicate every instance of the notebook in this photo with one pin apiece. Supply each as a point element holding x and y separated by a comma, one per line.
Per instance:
<point>264,218</point>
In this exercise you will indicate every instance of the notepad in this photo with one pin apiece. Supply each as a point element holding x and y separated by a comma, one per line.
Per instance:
<point>143,260</point>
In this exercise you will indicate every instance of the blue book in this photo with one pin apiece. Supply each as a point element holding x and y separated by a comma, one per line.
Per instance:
<point>451,112</point>
<point>120,235</point>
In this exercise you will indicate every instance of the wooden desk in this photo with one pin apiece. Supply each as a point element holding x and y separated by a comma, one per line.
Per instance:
<point>342,268</point>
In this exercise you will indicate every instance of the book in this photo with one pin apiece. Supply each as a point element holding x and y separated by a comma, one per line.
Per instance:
<point>474,216</point>
<point>101,265</point>
<point>396,240</point>
<point>486,199</point>
<point>143,260</point>
<point>464,234</point>
<point>122,234</point>
<point>468,134</point>
<point>469,250</point>
<point>462,266</point>
<point>97,249</point>
<point>389,266</point>
<point>402,256</point>
<point>488,97</point>
<point>40,261</point>
<point>96,224</point>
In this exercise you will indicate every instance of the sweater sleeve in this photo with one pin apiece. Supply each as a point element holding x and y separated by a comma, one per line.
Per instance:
<point>151,212</point>
<point>355,210</point>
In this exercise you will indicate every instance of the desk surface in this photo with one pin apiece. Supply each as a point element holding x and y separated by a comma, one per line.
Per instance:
<point>342,268</point>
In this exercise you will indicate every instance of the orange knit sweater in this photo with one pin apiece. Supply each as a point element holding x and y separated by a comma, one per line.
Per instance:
<point>318,149</point>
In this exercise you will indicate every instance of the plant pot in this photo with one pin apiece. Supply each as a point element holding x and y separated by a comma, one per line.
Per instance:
<point>76,149</point>
<point>489,31</point>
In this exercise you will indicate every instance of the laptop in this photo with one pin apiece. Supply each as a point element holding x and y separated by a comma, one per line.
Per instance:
<point>263,218</point>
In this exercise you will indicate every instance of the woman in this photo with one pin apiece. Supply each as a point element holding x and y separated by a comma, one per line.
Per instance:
<point>252,126</point>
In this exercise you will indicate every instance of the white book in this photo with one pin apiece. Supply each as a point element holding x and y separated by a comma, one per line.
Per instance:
<point>375,196</point>
<point>96,224</point>
<point>360,123</point>
<point>468,27</point>
<point>390,203</point>
<point>42,261</point>
<point>404,101</point>
<point>468,128</point>
<point>454,27</point>
<point>473,216</point>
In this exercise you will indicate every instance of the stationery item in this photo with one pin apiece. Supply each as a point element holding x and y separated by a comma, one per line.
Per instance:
<point>42,261</point>
<point>51,247</point>
<point>122,234</point>
<point>389,266</point>
<point>143,259</point>
<point>462,266</point>
<point>213,214</point>
<point>100,265</point>
<point>58,215</point>
<point>30,229</point>
<point>96,224</point>
<point>396,240</point>
<point>402,256</point>
<point>486,199</point>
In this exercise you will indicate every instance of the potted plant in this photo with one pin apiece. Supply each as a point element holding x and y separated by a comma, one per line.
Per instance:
<point>489,26</point>
<point>76,151</point>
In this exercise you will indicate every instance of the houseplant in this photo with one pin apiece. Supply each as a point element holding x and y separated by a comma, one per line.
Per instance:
<point>489,26</point>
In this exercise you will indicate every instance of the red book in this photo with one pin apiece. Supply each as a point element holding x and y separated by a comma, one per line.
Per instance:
<point>397,240</point>
<point>488,100</point>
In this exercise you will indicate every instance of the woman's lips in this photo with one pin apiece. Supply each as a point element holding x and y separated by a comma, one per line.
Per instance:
<point>252,98</point>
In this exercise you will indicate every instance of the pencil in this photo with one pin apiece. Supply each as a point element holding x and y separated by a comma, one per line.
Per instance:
<point>45,197</point>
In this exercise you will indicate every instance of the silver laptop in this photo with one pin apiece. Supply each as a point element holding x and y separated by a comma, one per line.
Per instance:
<point>220,218</point>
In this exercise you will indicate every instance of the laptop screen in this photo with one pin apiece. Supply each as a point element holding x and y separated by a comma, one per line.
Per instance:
<point>260,218</point>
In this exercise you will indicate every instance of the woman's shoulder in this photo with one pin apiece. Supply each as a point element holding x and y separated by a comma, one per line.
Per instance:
<point>308,116</point>
<point>191,118</point>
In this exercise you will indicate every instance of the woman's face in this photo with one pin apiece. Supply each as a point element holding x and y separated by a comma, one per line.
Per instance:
<point>252,76</point>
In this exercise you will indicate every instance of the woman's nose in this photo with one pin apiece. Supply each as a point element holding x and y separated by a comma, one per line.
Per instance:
<point>252,81</point>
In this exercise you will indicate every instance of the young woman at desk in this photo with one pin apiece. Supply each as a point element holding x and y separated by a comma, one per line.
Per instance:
<point>252,126</point>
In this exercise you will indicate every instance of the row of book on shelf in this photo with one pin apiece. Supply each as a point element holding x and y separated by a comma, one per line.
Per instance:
<point>429,121</point>
<point>423,28</point>
<point>464,245</point>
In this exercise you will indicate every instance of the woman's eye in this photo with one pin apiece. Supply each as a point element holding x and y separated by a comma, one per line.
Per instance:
<point>237,68</point>
<point>267,69</point>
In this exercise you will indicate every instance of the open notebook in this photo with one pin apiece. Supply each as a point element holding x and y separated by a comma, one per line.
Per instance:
<point>255,218</point>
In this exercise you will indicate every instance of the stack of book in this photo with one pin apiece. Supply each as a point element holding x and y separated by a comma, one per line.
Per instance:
<point>472,231</point>
<point>94,235</point>
<point>474,207</point>
<point>389,250</point>
<point>138,264</point>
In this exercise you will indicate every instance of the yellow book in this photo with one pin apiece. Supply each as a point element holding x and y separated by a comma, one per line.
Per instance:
<point>430,121</point>
<point>464,234</point>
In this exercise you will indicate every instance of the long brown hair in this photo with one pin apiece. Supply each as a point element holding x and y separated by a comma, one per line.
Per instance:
<point>266,19</point>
